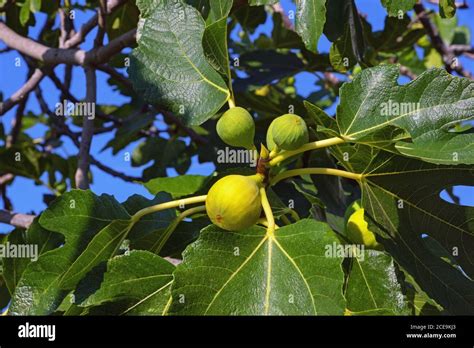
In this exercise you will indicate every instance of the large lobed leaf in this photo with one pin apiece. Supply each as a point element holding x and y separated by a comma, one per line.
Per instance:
<point>425,108</point>
<point>169,66</point>
<point>251,273</point>
<point>401,197</point>
<point>80,216</point>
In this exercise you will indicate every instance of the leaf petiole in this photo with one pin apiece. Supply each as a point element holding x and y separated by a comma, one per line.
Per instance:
<point>167,205</point>
<point>306,147</point>
<point>268,212</point>
<point>264,222</point>
<point>310,171</point>
<point>231,102</point>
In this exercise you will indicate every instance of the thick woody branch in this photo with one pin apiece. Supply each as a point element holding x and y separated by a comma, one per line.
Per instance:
<point>16,219</point>
<point>55,56</point>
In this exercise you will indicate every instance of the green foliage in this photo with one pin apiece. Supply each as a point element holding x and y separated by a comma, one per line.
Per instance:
<point>177,76</point>
<point>399,147</point>
<point>249,273</point>
<point>373,286</point>
<point>373,103</point>
<point>134,284</point>
<point>447,8</point>
<point>397,7</point>
<point>310,19</point>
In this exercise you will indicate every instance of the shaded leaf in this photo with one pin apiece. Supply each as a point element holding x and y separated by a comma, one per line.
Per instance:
<point>139,282</point>
<point>177,186</point>
<point>79,216</point>
<point>35,237</point>
<point>401,198</point>
<point>215,47</point>
<point>103,246</point>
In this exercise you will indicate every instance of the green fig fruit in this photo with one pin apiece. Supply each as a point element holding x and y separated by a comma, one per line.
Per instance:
<point>236,127</point>
<point>289,132</point>
<point>233,202</point>
<point>270,143</point>
<point>358,232</point>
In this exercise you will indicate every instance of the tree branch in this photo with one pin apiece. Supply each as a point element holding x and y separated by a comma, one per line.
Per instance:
<point>6,178</point>
<point>19,95</point>
<point>102,15</point>
<point>16,124</point>
<point>62,128</point>
<point>55,56</point>
<point>451,62</point>
<point>38,75</point>
<point>81,177</point>
<point>16,219</point>
<point>79,37</point>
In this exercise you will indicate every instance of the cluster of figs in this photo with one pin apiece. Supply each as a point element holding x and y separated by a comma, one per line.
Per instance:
<point>233,203</point>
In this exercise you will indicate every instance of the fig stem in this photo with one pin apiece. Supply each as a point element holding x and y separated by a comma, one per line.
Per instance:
<point>268,212</point>
<point>167,205</point>
<point>273,153</point>
<point>264,222</point>
<point>310,171</point>
<point>231,102</point>
<point>170,229</point>
<point>306,147</point>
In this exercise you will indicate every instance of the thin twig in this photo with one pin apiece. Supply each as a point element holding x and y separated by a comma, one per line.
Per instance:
<point>102,15</point>
<point>17,123</point>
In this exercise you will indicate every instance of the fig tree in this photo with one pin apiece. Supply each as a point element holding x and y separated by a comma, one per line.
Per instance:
<point>233,202</point>
<point>236,127</point>
<point>288,132</point>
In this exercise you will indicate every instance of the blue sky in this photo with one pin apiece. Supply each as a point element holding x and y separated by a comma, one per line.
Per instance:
<point>27,197</point>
